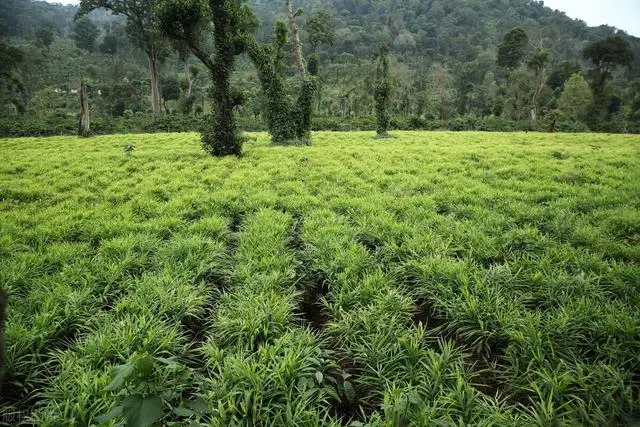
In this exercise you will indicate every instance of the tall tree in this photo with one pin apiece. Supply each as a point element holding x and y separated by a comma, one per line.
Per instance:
<point>606,55</point>
<point>513,48</point>
<point>576,98</point>
<point>232,21</point>
<point>190,74</point>
<point>537,63</point>
<point>110,44</point>
<point>141,28</point>
<point>85,33</point>
<point>288,117</point>
<point>12,88</point>
<point>45,36</point>
<point>319,29</point>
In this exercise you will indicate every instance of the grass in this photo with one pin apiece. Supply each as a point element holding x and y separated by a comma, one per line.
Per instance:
<point>433,278</point>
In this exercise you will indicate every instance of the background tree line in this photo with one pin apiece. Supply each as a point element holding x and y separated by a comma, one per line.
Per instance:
<point>447,65</point>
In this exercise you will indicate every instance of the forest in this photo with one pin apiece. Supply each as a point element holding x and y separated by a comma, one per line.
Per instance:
<point>446,71</point>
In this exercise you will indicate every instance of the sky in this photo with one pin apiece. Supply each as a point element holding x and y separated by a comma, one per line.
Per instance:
<point>622,14</point>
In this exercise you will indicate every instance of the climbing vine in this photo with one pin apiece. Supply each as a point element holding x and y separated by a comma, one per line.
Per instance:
<point>382,92</point>
<point>288,121</point>
<point>233,21</point>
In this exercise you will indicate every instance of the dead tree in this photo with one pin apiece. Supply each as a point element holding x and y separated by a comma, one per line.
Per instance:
<point>84,111</point>
<point>295,38</point>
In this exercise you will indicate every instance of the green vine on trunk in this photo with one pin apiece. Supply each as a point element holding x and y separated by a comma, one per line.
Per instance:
<point>233,21</point>
<point>382,92</point>
<point>289,121</point>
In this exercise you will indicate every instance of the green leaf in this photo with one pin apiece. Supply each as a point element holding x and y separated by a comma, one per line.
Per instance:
<point>142,412</point>
<point>415,399</point>
<point>307,394</point>
<point>116,411</point>
<point>119,375</point>
<point>319,377</point>
<point>172,361</point>
<point>349,391</point>
<point>145,365</point>
<point>199,405</point>
<point>183,412</point>
<point>332,392</point>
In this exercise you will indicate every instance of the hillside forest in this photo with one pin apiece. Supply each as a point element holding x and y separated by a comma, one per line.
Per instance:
<point>457,64</point>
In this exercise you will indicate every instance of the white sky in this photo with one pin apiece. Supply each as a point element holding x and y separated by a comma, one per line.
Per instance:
<point>622,14</point>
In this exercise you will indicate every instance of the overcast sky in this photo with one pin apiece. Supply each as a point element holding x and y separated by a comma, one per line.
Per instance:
<point>623,14</point>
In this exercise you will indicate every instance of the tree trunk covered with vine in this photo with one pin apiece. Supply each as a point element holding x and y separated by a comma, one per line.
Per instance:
<point>382,92</point>
<point>288,123</point>
<point>223,138</point>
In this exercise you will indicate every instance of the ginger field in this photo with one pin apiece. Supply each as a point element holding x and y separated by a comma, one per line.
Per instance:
<point>429,279</point>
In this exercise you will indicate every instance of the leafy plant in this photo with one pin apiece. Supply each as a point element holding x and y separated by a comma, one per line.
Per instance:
<point>141,398</point>
<point>129,148</point>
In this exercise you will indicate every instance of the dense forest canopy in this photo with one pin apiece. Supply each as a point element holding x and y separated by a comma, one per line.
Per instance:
<point>444,65</point>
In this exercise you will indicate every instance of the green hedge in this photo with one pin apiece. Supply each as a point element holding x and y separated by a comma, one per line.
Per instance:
<point>68,125</point>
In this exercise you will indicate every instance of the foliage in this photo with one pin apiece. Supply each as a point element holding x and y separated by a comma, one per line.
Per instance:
<point>12,88</point>
<point>561,73</point>
<point>142,392</point>
<point>512,50</point>
<point>444,68</point>
<point>85,33</point>
<point>576,98</point>
<point>45,36</point>
<point>486,279</point>
<point>110,44</point>
<point>170,88</point>
<point>318,29</point>
<point>3,308</point>
<point>606,54</point>
<point>129,148</point>
<point>142,31</point>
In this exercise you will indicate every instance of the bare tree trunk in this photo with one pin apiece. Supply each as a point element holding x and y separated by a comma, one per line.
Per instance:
<point>156,97</point>
<point>84,111</point>
<point>295,39</point>
<point>187,74</point>
<point>540,83</point>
